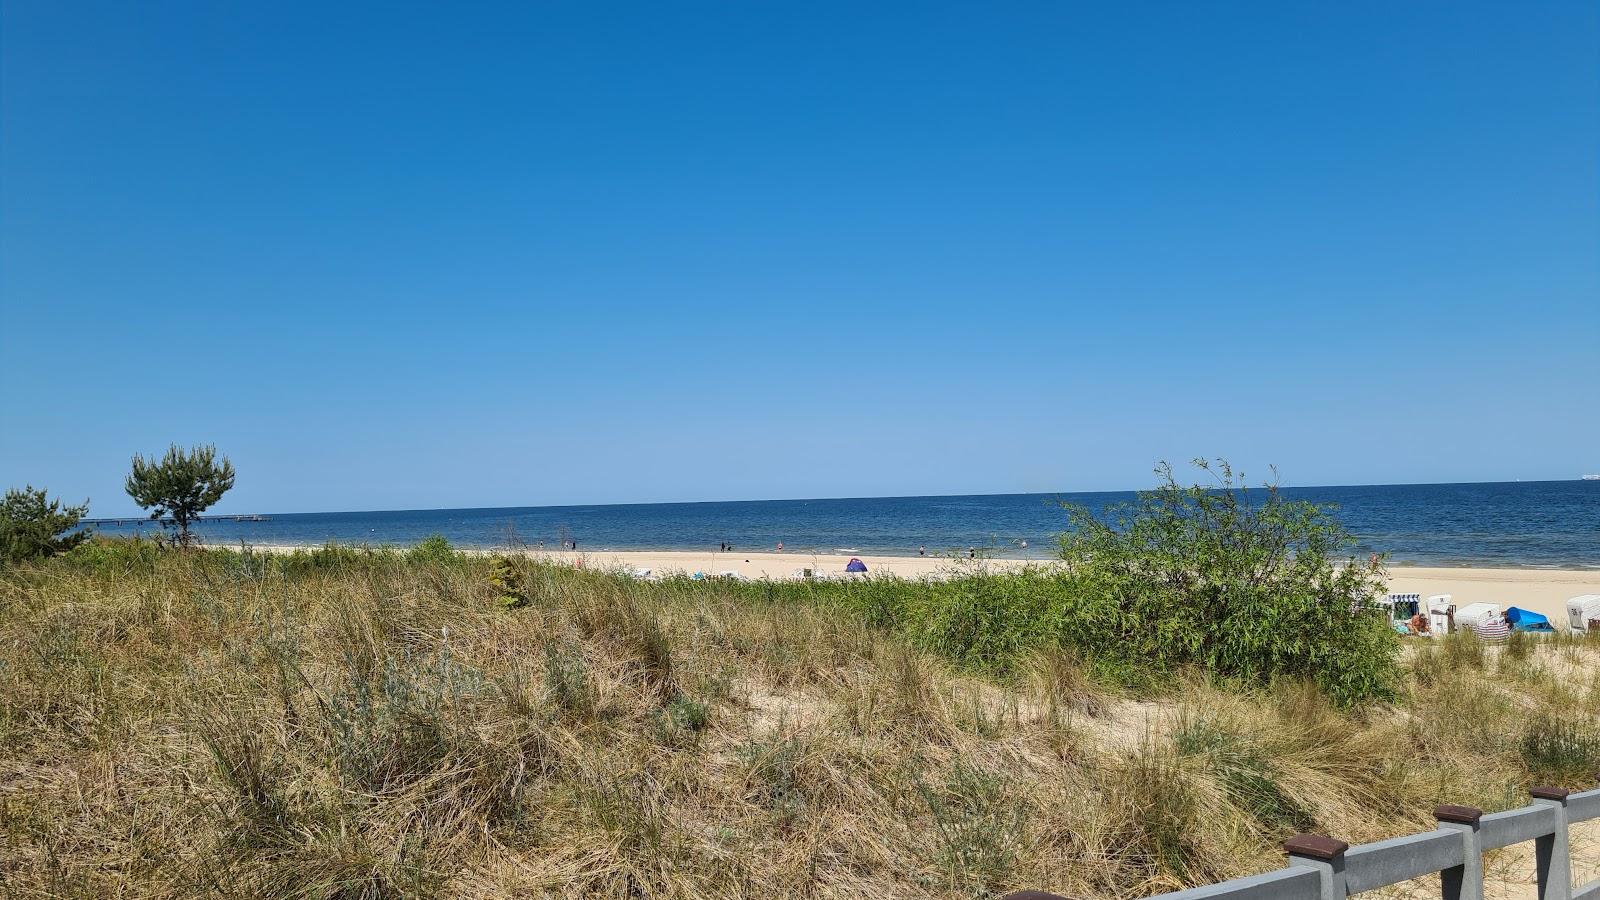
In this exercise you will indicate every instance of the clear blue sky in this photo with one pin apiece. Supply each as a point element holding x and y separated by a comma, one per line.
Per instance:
<point>395,256</point>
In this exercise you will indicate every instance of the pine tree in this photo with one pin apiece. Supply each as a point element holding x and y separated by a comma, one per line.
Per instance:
<point>182,485</point>
<point>32,526</point>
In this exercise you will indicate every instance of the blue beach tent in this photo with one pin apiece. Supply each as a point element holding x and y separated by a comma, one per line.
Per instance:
<point>855,565</point>
<point>1525,620</point>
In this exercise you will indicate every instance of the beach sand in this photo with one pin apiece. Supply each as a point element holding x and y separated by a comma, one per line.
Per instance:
<point>770,564</point>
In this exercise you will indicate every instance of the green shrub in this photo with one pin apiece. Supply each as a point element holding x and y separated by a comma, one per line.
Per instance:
<point>32,526</point>
<point>115,556</point>
<point>433,550</point>
<point>774,776</point>
<point>505,579</point>
<point>1248,588</point>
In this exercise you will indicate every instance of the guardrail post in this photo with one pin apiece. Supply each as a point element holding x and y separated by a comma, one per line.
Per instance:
<point>1550,855</point>
<point>1463,882</point>
<point>1326,855</point>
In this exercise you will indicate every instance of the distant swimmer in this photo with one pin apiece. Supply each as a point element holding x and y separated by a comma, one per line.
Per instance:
<point>923,550</point>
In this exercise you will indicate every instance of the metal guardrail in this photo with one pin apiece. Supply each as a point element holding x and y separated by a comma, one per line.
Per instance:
<point>1322,868</point>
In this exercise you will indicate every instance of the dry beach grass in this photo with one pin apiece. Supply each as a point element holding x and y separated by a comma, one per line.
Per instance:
<point>341,723</point>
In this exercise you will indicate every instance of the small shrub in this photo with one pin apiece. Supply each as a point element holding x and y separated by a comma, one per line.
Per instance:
<point>1427,663</point>
<point>32,526</point>
<point>508,581</point>
<point>115,557</point>
<point>689,714</point>
<point>1160,817</point>
<point>433,550</point>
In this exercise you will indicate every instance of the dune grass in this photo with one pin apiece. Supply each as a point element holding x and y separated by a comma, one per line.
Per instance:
<point>348,723</point>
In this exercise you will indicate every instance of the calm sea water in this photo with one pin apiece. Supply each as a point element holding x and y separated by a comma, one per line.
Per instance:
<point>1547,523</point>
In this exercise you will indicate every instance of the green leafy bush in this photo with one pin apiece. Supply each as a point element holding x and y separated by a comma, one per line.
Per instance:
<point>1248,587</point>
<point>115,556</point>
<point>434,549</point>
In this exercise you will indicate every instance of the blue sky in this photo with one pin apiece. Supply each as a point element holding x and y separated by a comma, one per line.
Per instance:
<point>399,256</point>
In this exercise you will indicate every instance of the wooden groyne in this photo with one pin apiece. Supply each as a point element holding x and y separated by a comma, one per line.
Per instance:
<point>1323,868</point>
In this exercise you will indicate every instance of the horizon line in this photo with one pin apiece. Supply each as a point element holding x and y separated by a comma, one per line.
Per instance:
<point>335,512</point>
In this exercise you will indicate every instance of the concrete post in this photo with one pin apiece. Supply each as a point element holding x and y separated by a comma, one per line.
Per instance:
<point>1463,882</point>
<point>1326,855</point>
<point>1551,858</point>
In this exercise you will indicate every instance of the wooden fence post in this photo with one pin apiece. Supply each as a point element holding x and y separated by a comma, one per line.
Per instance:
<point>1463,882</point>
<point>1326,855</point>
<point>1551,857</point>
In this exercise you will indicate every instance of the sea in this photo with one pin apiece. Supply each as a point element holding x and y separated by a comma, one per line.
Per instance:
<point>1548,524</point>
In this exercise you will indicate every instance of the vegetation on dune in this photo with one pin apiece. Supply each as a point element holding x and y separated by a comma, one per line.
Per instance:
<point>180,486</point>
<point>1242,585</point>
<point>346,722</point>
<point>1198,678</point>
<point>32,526</point>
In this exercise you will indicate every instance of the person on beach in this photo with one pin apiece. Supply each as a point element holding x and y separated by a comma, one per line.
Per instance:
<point>922,550</point>
<point>780,546</point>
<point>972,553</point>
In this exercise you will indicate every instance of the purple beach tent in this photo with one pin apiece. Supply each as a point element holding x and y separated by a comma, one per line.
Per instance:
<point>855,565</point>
